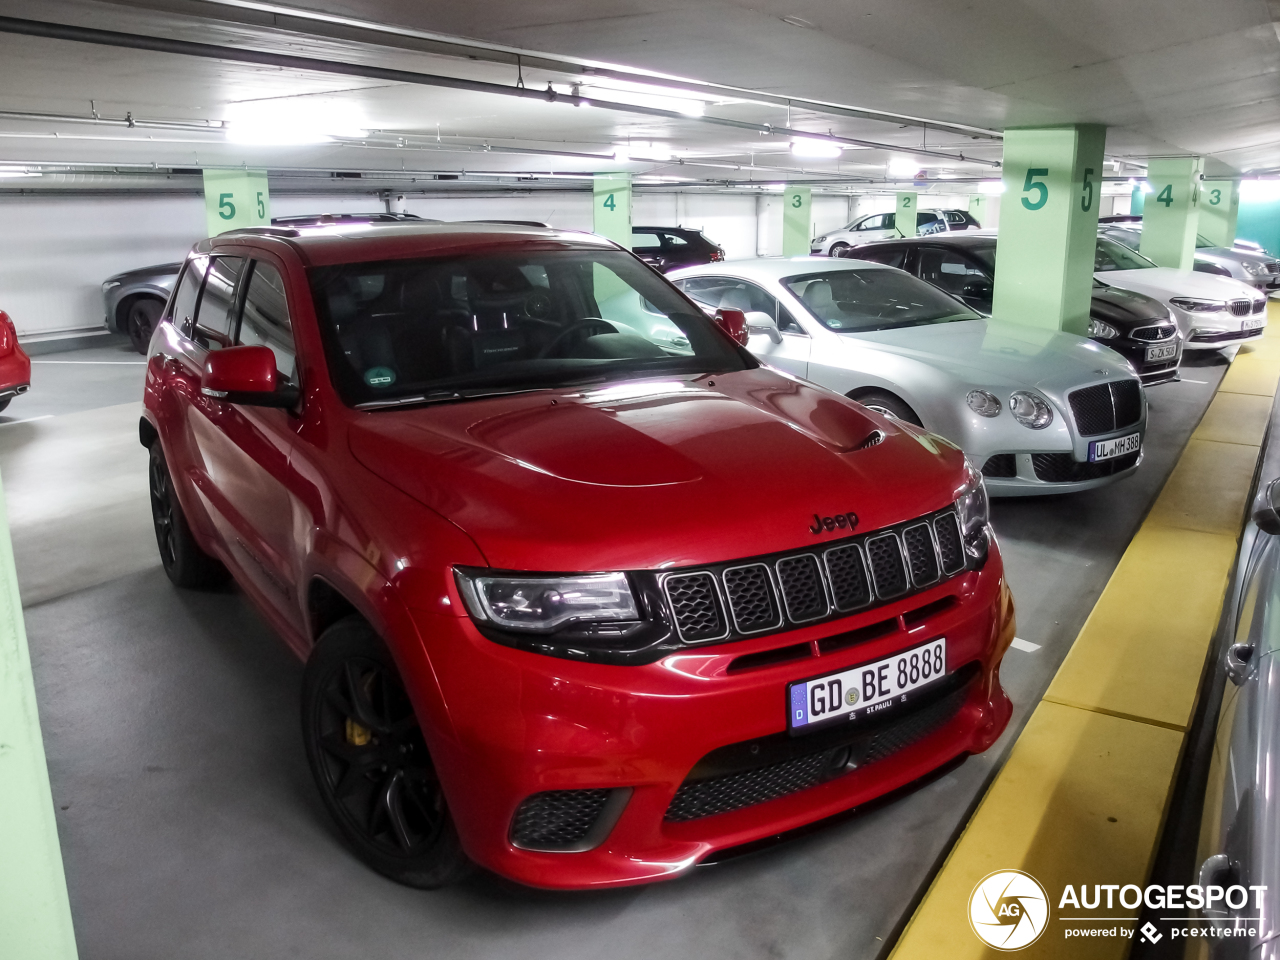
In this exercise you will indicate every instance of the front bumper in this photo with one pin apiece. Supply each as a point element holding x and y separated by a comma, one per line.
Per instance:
<point>524,724</point>
<point>1207,339</point>
<point>1150,372</point>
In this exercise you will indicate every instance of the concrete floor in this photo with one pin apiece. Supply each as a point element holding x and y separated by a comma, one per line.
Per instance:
<point>189,823</point>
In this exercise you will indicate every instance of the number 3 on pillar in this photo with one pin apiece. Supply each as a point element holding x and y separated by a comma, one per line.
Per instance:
<point>1031,184</point>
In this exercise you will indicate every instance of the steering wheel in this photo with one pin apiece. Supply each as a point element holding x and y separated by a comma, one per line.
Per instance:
<point>600,326</point>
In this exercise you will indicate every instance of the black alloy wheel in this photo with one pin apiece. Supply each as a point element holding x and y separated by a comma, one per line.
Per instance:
<point>183,560</point>
<point>140,321</point>
<point>371,763</point>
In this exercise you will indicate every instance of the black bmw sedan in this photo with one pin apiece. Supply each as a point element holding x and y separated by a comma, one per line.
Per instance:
<point>1136,326</point>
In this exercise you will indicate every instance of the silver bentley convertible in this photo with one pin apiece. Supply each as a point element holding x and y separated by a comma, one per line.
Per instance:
<point>1039,411</point>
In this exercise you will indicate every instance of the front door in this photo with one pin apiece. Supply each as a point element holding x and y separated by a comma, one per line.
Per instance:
<point>787,350</point>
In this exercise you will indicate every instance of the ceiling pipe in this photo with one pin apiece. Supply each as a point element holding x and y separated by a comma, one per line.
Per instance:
<point>211,51</point>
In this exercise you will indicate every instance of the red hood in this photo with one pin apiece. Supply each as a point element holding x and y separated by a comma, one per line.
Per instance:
<point>648,474</point>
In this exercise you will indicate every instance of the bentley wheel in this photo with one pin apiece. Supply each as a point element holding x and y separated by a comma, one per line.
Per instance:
<point>887,405</point>
<point>141,321</point>
<point>371,763</point>
<point>183,560</point>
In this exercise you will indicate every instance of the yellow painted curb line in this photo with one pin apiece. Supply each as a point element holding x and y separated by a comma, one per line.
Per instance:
<point>1082,796</point>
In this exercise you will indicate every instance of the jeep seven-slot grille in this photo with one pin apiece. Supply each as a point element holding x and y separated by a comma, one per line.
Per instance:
<point>806,586</point>
<point>1106,406</point>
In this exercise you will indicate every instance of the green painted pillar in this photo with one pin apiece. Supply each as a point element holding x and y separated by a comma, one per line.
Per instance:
<point>904,217</point>
<point>1138,200</point>
<point>35,916</point>
<point>611,218</point>
<point>1219,209</point>
<point>797,221</point>
<point>1049,226</point>
<point>979,207</point>
<point>1172,211</point>
<point>235,199</point>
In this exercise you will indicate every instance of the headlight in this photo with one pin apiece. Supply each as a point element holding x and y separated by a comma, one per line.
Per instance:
<point>1194,305</point>
<point>820,240</point>
<point>1253,268</point>
<point>110,285</point>
<point>983,403</point>
<point>1104,330</point>
<point>972,507</point>
<point>540,604</point>
<point>1030,410</point>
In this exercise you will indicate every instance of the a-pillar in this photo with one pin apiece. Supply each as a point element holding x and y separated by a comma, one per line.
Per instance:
<point>1219,208</point>
<point>1048,226</point>
<point>797,221</point>
<point>1172,211</point>
<point>904,217</point>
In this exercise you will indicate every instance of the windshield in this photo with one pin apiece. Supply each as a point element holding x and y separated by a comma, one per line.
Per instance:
<point>1110,255</point>
<point>863,300</point>
<point>404,330</point>
<point>1203,242</point>
<point>984,253</point>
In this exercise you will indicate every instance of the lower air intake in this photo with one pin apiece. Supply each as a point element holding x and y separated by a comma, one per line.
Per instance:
<point>557,819</point>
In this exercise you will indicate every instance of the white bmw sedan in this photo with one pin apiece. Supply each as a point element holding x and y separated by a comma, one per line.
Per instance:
<point>1037,410</point>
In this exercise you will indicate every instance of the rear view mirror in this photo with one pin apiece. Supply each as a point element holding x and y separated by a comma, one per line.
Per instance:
<point>734,323</point>
<point>1267,512</point>
<point>760,322</point>
<point>246,375</point>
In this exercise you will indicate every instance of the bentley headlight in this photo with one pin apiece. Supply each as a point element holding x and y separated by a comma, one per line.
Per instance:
<point>1102,330</point>
<point>541,603</point>
<point>1196,305</point>
<point>983,403</point>
<point>972,508</point>
<point>1030,410</point>
<point>1253,268</point>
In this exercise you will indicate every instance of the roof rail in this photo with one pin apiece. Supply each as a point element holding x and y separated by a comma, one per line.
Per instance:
<point>262,232</point>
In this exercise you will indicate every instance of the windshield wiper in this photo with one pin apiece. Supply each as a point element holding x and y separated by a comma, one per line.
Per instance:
<point>444,396</point>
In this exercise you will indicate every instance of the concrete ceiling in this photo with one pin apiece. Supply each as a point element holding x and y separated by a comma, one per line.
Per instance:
<point>1169,77</point>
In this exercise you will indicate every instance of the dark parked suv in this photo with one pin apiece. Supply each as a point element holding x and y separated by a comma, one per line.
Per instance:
<point>669,248</point>
<point>1134,325</point>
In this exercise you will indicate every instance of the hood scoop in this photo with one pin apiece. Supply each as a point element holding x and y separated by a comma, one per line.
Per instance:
<point>873,439</point>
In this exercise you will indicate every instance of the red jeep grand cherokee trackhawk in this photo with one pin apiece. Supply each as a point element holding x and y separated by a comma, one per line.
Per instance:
<point>586,594</point>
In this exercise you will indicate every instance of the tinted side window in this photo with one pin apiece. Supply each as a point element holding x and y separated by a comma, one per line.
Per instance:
<point>265,319</point>
<point>890,256</point>
<point>188,293</point>
<point>215,317</point>
<point>645,241</point>
<point>926,216</point>
<point>674,240</point>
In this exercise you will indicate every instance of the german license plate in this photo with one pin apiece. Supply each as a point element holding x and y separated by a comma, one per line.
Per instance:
<point>1164,351</point>
<point>864,690</point>
<point>1117,447</point>
<point>1253,323</point>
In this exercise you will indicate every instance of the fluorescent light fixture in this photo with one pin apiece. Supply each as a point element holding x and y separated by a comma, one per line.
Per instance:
<point>903,168</point>
<point>290,122</point>
<point>992,188</point>
<point>9,173</point>
<point>1260,191</point>
<point>809,147</point>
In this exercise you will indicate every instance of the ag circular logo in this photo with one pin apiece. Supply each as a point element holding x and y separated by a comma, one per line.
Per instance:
<point>1008,910</point>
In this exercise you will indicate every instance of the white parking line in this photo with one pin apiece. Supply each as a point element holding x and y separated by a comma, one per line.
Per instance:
<point>128,363</point>
<point>1189,380</point>
<point>1026,646</point>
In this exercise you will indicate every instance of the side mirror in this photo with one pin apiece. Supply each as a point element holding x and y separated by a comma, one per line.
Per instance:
<point>1267,512</point>
<point>734,323</point>
<point>246,375</point>
<point>760,322</point>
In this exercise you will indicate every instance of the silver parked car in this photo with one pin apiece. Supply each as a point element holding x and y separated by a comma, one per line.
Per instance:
<point>134,300</point>
<point>1039,411</point>
<point>883,226</point>
<point>1212,312</point>
<point>1240,826</point>
<point>1256,269</point>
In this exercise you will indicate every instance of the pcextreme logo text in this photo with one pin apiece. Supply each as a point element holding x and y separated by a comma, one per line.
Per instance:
<point>1010,910</point>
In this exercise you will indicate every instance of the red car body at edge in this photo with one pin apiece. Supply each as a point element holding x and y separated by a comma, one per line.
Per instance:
<point>610,749</point>
<point>15,365</point>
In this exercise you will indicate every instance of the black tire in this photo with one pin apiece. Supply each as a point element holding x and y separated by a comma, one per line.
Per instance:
<point>4,403</point>
<point>837,250</point>
<point>888,405</point>
<point>140,321</point>
<point>183,560</point>
<point>371,763</point>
